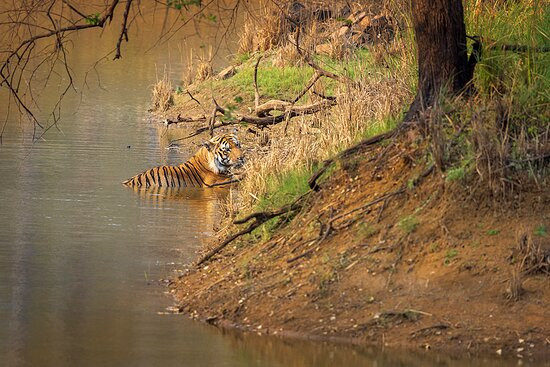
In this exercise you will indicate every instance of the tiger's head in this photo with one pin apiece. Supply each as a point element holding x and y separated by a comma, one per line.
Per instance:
<point>224,153</point>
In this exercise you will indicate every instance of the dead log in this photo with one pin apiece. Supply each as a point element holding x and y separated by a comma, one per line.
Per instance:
<point>290,112</point>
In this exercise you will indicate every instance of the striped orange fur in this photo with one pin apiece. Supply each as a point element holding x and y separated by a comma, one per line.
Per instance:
<point>210,166</point>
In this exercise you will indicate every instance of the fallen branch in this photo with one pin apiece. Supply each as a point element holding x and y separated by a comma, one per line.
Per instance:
<point>316,76</point>
<point>224,183</point>
<point>267,215</point>
<point>259,219</point>
<point>291,111</point>
<point>264,109</point>
<point>304,254</point>
<point>437,326</point>
<point>212,120</point>
<point>230,239</point>
<point>491,44</point>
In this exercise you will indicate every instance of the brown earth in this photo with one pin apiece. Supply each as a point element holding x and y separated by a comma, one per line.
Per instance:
<point>428,268</point>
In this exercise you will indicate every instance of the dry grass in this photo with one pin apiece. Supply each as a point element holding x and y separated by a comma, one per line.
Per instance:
<point>534,258</point>
<point>162,96</point>
<point>264,32</point>
<point>531,259</point>
<point>188,75</point>
<point>286,55</point>
<point>204,70</point>
<point>311,139</point>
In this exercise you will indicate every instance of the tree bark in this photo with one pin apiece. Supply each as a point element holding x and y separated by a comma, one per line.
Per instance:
<point>443,65</point>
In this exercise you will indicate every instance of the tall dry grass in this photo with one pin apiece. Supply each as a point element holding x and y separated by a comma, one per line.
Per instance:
<point>265,31</point>
<point>162,96</point>
<point>306,140</point>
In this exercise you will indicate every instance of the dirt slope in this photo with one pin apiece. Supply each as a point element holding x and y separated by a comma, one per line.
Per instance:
<point>430,267</point>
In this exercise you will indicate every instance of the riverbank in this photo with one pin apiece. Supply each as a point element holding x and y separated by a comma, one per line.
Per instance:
<point>429,268</point>
<point>434,241</point>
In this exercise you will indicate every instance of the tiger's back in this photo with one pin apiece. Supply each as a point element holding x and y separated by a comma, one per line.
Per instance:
<point>167,176</point>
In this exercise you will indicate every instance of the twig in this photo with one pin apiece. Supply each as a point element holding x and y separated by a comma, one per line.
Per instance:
<point>193,98</point>
<point>266,215</point>
<point>224,183</point>
<point>124,31</point>
<point>397,260</point>
<point>304,254</point>
<point>256,93</point>
<point>316,67</point>
<point>381,211</point>
<point>370,203</point>
<point>311,83</point>
<point>437,326</point>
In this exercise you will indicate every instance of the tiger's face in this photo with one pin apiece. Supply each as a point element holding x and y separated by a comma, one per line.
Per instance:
<point>226,153</point>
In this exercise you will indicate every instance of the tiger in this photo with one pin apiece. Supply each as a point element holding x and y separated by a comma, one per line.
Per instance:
<point>211,166</point>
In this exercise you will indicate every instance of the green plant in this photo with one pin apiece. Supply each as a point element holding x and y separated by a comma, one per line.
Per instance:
<point>228,113</point>
<point>450,255</point>
<point>325,278</point>
<point>408,224</point>
<point>456,174</point>
<point>493,232</point>
<point>180,4</point>
<point>93,19</point>
<point>541,231</point>
<point>365,230</point>
<point>242,57</point>
<point>282,189</point>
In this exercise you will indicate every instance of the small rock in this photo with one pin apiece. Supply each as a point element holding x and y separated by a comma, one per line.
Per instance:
<point>499,352</point>
<point>521,341</point>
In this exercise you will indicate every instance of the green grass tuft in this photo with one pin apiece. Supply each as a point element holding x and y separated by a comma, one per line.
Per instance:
<point>541,231</point>
<point>408,224</point>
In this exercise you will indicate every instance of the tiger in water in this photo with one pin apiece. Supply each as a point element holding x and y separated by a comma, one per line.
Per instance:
<point>210,166</point>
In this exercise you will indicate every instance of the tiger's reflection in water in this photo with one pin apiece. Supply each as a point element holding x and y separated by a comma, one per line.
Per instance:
<point>189,214</point>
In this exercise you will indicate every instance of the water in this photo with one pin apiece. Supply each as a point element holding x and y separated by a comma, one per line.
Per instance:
<point>81,255</point>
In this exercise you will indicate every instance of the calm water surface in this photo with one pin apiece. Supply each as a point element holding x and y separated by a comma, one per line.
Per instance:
<point>81,255</point>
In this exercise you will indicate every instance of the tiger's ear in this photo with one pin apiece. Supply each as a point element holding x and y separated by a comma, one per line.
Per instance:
<point>208,145</point>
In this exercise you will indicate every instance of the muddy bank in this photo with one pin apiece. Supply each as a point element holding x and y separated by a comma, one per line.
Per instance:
<point>433,267</point>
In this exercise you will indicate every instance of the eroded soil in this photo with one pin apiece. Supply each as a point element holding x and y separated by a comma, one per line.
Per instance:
<point>429,267</point>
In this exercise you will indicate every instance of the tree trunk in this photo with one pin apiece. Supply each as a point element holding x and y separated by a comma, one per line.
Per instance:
<point>443,64</point>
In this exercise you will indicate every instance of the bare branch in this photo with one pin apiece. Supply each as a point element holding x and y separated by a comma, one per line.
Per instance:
<point>256,93</point>
<point>124,31</point>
